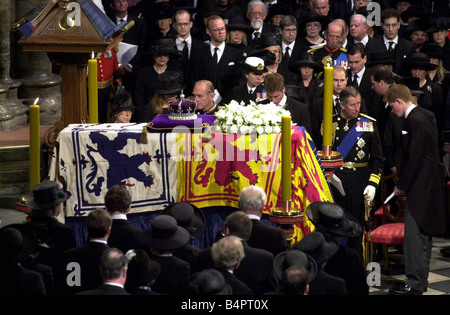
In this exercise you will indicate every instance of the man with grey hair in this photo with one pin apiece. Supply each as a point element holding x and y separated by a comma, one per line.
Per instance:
<point>113,268</point>
<point>252,201</point>
<point>256,14</point>
<point>227,254</point>
<point>358,30</point>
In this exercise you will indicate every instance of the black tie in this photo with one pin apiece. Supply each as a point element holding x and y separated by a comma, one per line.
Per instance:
<point>256,35</point>
<point>391,47</point>
<point>215,59</point>
<point>337,106</point>
<point>185,52</point>
<point>286,55</point>
<point>121,20</point>
<point>355,80</point>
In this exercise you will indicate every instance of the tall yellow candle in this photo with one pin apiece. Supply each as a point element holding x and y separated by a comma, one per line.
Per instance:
<point>286,184</point>
<point>93,90</point>
<point>35,145</point>
<point>327,105</point>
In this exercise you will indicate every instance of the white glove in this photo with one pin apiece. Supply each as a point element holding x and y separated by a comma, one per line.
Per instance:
<point>369,192</point>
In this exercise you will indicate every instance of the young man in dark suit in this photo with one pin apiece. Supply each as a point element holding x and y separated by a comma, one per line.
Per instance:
<point>188,45</point>
<point>217,62</point>
<point>290,46</point>
<point>359,74</point>
<point>398,48</point>
<point>124,235</point>
<point>421,180</point>
<point>98,225</point>
<point>275,89</point>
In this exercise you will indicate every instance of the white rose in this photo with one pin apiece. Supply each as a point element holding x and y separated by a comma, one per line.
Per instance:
<point>276,129</point>
<point>260,129</point>
<point>233,129</point>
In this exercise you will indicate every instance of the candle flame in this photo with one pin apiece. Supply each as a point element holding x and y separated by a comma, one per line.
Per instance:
<point>36,100</point>
<point>92,55</point>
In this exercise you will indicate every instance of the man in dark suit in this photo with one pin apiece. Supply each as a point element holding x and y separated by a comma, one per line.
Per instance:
<point>256,269</point>
<point>252,200</point>
<point>124,235</point>
<point>290,47</point>
<point>217,61</point>
<point>358,30</point>
<point>359,74</point>
<point>188,45</point>
<point>275,89</point>
<point>113,269</point>
<point>421,180</point>
<point>398,48</point>
<point>256,14</point>
<point>98,225</point>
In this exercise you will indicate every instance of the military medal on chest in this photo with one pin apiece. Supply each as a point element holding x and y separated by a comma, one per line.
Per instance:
<point>362,126</point>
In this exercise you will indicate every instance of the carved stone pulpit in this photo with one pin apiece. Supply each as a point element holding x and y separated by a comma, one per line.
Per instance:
<point>69,32</point>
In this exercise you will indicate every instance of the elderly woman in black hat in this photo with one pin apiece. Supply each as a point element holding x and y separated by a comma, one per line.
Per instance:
<point>163,55</point>
<point>122,107</point>
<point>311,28</point>
<point>168,88</point>
<point>305,67</point>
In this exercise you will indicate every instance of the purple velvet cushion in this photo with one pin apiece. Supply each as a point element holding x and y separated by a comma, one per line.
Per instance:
<point>162,123</point>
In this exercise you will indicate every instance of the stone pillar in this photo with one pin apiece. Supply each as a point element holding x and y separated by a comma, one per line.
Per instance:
<point>10,111</point>
<point>35,71</point>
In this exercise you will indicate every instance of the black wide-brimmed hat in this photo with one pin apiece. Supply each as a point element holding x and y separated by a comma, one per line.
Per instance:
<point>168,82</point>
<point>163,10</point>
<point>314,17</point>
<point>305,59</point>
<point>187,216</point>
<point>333,218</point>
<point>419,60</point>
<point>438,24</point>
<point>254,64</point>
<point>209,282</point>
<point>412,83</point>
<point>141,269</point>
<point>414,11</point>
<point>433,50</point>
<point>277,9</point>
<point>269,39</point>
<point>315,245</point>
<point>121,101</point>
<point>17,242</point>
<point>292,257</point>
<point>164,46</point>
<point>379,57</point>
<point>417,25</point>
<point>47,195</point>
<point>266,55</point>
<point>165,234</point>
<point>236,22</point>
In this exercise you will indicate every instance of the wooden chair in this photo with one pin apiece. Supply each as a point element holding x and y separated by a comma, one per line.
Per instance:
<point>391,231</point>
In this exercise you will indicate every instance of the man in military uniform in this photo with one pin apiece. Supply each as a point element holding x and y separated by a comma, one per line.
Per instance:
<point>107,65</point>
<point>332,49</point>
<point>356,138</point>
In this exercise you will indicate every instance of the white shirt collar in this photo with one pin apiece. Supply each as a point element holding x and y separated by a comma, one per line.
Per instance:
<point>118,19</point>
<point>253,217</point>
<point>180,41</point>
<point>99,241</point>
<point>283,101</point>
<point>120,216</point>
<point>386,41</point>
<point>114,284</point>
<point>360,73</point>
<point>410,108</point>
